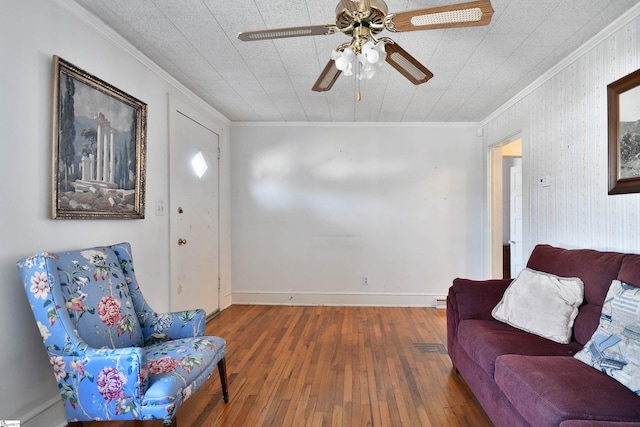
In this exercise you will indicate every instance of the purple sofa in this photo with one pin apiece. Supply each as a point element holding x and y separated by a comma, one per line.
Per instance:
<point>521,379</point>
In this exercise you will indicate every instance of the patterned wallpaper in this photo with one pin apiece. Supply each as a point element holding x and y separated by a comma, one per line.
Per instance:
<point>563,121</point>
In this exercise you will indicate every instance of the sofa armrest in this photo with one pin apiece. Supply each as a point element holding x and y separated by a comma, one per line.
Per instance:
<point>475,299</point>
<point>470,299</point>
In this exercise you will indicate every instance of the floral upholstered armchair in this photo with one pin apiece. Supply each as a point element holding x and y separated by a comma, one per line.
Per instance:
<point>113,357</point>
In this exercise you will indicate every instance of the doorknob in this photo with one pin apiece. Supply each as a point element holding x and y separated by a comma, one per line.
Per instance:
<point>182,242</point>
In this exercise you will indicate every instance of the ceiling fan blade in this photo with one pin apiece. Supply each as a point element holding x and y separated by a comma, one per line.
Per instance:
<point>327,77</point>
<point>406,64</point>
<point>281,33</point>
<point>356,5</point>
<point>471,14</point>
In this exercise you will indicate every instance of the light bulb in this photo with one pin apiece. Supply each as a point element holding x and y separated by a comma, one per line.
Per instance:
<point>366,61</point>
<point>372,56</point>
<point>341,63</point>
<point>348,54</point>
<point>382,53</point>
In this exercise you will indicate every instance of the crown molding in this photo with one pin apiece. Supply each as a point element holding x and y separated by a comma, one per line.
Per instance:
<point>360,124</point>
<point>117,39</point>
<point>602,36</point>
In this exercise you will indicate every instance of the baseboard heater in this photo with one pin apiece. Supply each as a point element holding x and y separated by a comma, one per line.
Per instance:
<point>441,302</point>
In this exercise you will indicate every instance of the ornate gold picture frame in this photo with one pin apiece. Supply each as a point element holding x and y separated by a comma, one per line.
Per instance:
<point>99,148</point>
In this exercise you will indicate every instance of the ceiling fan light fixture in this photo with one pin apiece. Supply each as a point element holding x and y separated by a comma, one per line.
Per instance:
<point>344,60</point>
<point>370,57</point>
<point>374,53</point>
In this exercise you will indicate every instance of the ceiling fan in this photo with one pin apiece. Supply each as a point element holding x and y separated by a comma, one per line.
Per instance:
<point>363,20</point>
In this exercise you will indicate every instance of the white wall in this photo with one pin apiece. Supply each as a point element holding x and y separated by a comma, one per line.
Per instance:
<point>563,117</point>
<point>318,207</point>
<point>31,31</point>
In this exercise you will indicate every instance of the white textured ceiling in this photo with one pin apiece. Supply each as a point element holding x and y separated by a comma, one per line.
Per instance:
<point>476,70</point>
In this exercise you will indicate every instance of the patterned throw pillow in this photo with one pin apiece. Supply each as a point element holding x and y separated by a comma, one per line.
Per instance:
<point>97,298</point>
<point>614,348</point>
<point>542,304</point>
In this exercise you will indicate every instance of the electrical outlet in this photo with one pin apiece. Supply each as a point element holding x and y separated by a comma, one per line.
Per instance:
<point>365,281</point>
<point>545,181</point>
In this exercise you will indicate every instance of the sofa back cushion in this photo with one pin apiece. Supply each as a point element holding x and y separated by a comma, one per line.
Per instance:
<point>630,270</point>
<point>98,299</point>
<point>596,269</point>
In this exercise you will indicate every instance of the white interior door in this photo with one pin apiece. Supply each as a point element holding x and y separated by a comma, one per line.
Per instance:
<point>194,211</point>
<point>515,237</point>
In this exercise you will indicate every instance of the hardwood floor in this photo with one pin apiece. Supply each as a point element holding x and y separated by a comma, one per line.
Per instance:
<point>331,366</point>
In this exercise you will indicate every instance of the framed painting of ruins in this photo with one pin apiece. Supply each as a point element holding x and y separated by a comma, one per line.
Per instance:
<point>623,103</point>
<point>99,148</point>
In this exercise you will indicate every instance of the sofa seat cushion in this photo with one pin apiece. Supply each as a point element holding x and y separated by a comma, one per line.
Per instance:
<point>485,340</point>
<point>172,365</point>
<point>547,390</point>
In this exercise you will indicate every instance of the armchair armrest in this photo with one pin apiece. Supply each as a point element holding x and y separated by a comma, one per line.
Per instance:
<point>101,381</point>
<point>159,327</point>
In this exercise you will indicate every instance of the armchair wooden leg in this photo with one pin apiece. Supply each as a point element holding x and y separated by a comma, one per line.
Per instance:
<point>222,370</point>
<point>172,423</point>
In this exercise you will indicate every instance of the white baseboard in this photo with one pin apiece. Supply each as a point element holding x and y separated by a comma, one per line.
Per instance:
<point>337,298</point>
<point>226,300</point>
<point>47,414</point>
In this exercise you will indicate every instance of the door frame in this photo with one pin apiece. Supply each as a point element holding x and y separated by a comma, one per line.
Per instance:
<point>495,201</point>
<point>515,175</point>
<point>178,107</point>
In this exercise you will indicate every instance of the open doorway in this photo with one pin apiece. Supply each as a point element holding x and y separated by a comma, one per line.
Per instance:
<point>506,207</point>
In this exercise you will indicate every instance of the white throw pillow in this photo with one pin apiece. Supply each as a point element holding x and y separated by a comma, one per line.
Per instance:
<point>542,304</point>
